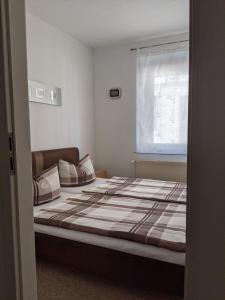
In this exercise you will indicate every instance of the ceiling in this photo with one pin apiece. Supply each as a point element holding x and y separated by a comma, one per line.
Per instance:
<point>102,22</point>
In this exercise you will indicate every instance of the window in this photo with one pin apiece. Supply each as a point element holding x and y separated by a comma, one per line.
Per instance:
<point>162,101</point>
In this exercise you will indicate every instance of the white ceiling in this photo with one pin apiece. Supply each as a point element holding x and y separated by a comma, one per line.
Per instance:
<point>102,22</point>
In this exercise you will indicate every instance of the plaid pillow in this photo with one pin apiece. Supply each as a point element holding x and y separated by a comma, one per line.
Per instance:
<point>71,175</point>
<point>47,186</point>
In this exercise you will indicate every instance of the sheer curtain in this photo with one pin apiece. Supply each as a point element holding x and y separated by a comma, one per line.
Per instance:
<point>162,101</point>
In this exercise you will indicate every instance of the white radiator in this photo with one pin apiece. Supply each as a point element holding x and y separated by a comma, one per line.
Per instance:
<point>161,170</point>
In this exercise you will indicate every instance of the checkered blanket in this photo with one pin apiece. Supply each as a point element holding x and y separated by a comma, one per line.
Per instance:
<point>141,220</point>
<point>167,191</point>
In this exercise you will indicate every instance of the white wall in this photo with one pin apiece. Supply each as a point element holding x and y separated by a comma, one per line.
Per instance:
<point>56,58</point>
<point>115,121</point>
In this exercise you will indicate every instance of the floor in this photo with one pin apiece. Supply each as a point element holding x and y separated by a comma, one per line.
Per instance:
<point>62,283</point>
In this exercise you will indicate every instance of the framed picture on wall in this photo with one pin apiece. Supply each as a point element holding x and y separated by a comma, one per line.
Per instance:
<point>44,93</point>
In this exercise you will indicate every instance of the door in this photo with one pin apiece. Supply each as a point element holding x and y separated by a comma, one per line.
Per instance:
<point>17,259</point>
<point>205,264</point>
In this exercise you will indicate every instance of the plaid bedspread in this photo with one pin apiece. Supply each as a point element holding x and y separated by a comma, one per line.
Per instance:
<point>142,188</point>
<point>146,221</point>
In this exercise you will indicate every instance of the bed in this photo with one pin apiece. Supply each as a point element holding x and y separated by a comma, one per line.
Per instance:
<point>125,260</point>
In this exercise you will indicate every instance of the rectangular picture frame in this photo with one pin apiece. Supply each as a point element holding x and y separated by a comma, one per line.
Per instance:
<point>44,93</point>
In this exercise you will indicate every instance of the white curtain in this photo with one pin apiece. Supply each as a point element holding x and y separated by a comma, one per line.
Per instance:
<point>162,101</point>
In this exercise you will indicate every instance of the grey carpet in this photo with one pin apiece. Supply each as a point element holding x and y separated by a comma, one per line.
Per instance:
<point>63,283</point>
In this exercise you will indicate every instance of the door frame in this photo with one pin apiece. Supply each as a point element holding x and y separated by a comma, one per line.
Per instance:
<point>18,276</point>
<point>205,246</point>
<point>205,256</point>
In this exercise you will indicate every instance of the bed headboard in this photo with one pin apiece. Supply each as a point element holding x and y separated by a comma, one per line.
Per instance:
<point>42,160</point>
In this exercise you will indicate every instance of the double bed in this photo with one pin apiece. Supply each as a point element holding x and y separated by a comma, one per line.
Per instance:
<point>126,260</point>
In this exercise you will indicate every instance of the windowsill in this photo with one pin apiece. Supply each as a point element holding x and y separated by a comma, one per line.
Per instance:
<point>161,157</point>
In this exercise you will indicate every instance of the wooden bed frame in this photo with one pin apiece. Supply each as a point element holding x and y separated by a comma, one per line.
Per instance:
<point>123,267</point>
<point>128,268</point>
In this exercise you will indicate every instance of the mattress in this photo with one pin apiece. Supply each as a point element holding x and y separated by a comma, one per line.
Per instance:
<point>121,245</point>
